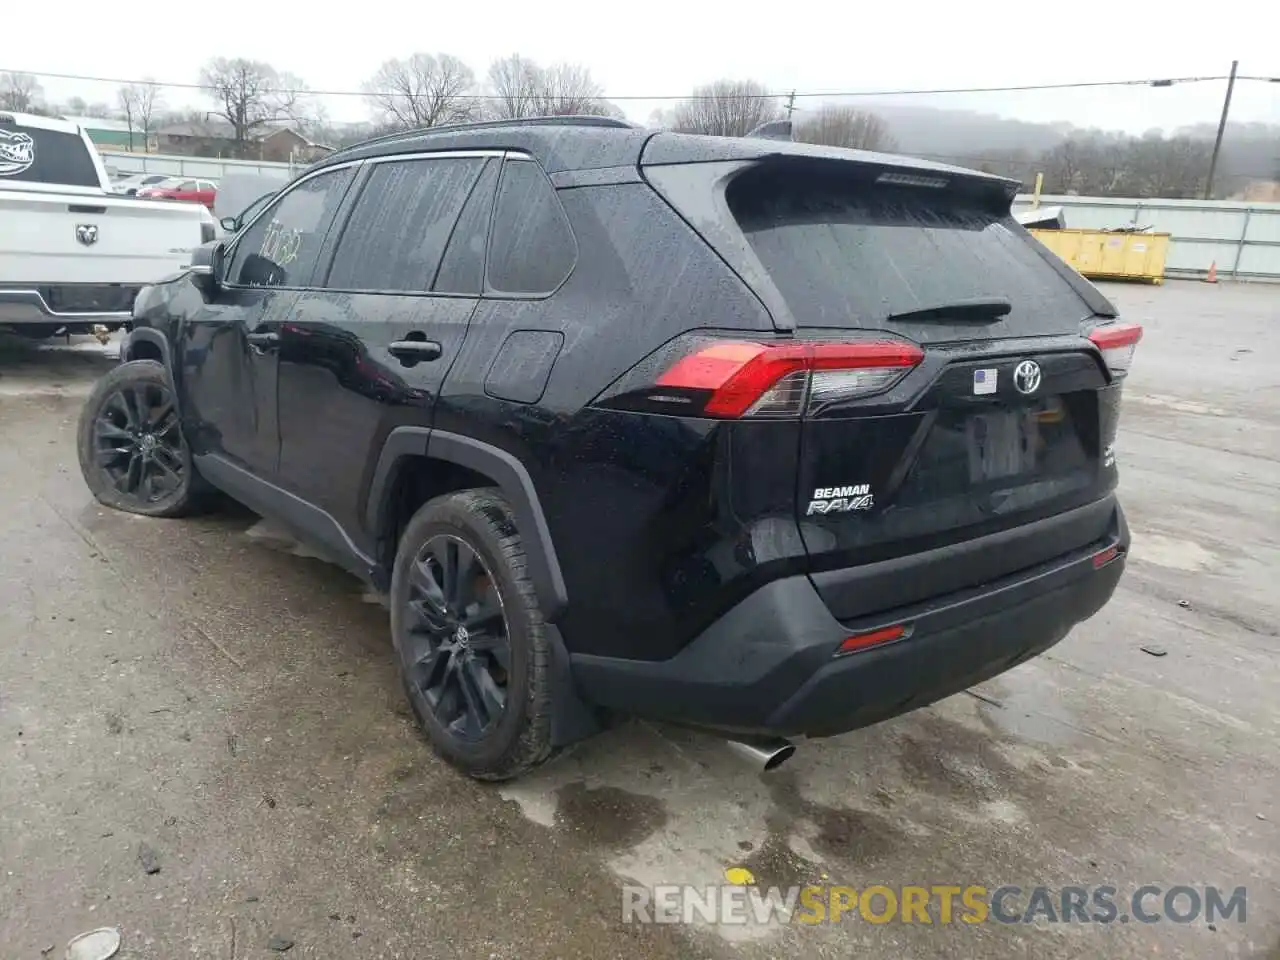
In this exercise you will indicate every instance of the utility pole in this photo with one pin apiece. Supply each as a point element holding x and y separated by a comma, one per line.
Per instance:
<point>1222,126</point>
<point>791,104</point>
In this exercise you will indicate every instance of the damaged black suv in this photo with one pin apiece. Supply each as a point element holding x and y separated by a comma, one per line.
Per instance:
<point>763,438</point>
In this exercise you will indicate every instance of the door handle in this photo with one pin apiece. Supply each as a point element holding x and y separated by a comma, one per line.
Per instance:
<point>262,342</point>
<point>415,351</point>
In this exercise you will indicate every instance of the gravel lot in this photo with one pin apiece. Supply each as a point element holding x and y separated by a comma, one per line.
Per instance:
<point>206,690</point>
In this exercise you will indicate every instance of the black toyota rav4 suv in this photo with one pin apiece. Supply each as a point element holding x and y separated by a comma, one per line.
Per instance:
<point>763,438</point>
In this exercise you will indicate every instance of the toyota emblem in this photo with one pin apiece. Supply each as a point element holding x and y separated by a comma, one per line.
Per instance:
<point>1026,376</point>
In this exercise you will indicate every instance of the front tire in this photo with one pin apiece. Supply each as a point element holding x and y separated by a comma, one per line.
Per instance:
<point>132,453</point>
<point>470,638</point>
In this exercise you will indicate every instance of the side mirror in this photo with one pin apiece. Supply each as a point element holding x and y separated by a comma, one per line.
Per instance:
<point>230,224</point>
<point>207,266</point>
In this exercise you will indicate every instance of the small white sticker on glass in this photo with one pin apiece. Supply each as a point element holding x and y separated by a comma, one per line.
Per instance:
<point>984,381</point>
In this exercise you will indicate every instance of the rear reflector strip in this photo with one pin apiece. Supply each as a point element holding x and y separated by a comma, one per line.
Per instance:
<point>1103,557</point>
<point>873,638</point>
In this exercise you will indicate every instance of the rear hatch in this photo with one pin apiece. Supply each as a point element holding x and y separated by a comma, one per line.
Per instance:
<point>979,444</point>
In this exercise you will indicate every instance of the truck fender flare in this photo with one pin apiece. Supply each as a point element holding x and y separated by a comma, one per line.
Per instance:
<point>508,474</point>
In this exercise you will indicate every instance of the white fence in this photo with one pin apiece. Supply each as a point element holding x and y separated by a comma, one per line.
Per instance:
<point>1243,239</point>
<point>119,163</point>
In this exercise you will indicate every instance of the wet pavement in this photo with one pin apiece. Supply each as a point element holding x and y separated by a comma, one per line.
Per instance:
<point>203,741</point>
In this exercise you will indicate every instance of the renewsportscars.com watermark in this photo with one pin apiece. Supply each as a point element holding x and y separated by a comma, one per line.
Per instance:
<point>935,904</point>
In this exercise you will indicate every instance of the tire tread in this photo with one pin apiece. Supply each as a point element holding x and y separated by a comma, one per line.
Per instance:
<point>488,510</point>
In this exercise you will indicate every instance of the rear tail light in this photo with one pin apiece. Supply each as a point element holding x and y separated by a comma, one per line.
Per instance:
<point>1117,345</point>
<point>729,379</point>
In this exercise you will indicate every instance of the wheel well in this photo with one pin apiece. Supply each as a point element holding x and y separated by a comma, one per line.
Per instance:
<point>415,481</point>
<point>145,350</point>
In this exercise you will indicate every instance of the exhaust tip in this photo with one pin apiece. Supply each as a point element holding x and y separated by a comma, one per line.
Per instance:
<point>780,756</point>
<point>764,754</point>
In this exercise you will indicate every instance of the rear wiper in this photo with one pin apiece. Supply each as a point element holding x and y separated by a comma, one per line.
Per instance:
<point>974,309</point>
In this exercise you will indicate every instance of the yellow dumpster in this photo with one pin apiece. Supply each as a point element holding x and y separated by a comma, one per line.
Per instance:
<point>1103,255</point>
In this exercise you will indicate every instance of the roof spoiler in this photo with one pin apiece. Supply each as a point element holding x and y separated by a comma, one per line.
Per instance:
<point>773,130</point>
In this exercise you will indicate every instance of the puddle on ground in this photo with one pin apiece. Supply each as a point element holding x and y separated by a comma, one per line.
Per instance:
<point>608,816</point>
<point>840,833</point>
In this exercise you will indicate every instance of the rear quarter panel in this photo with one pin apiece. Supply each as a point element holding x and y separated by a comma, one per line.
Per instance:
<point>644,540</point>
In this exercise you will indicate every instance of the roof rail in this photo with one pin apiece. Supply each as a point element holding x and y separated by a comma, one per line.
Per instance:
<point>572,120</point>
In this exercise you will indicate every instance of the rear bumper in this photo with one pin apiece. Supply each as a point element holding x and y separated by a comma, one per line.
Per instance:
<point>768,666</point>
<point>29,306</point>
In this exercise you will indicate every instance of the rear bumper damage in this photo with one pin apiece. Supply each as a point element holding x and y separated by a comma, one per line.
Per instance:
<point>769,667</point>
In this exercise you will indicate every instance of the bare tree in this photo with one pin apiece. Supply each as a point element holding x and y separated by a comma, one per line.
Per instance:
<point>139,103</point>
<point>514,83</point>
<point>837,125</point>
<point>1174,168</point>
<point>565,89</point>
<point>519,87</point>
<point>726,108</point>
<point>317,126</point>
<point>422,91</point>
<point>249,95</point>
<point>1150,166</point>
<point>20,92</point>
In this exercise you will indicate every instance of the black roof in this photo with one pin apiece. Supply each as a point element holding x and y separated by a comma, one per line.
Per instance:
<point>558,143</point>
<point>589,143</point>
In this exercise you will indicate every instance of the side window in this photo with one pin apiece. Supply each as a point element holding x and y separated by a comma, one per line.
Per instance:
<point>398,229</point>
<point>462,269</point>
<point>532,249</point>
<point>281,247</point>
<point>187,186</point>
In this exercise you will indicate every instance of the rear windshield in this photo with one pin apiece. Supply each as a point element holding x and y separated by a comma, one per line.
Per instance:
<point>851,253</point>
<point>36,155</point>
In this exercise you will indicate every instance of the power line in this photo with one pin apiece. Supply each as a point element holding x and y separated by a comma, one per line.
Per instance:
<point>1014,88</point>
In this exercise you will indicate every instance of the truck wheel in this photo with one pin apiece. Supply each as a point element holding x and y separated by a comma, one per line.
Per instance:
<point>472,645</point>
<point>132,452</point>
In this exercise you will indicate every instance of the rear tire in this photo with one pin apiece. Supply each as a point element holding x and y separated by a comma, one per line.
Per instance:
<point>470,638</point>
<point>132,453</point>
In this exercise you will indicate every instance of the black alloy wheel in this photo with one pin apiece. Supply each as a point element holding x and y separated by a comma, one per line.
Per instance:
<point>456,641</point>
<point>138,444</point>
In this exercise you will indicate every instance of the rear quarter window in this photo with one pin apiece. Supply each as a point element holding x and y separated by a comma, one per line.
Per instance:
<point>532,248</point>
<point>36,155</point>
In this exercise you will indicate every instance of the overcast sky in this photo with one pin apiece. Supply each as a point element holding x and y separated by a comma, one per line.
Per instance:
<point>677,44</point>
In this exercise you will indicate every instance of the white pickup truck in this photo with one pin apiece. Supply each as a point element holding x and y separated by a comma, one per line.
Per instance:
<point>73,255</point>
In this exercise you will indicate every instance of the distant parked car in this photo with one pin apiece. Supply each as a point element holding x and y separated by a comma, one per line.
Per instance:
<point>192,191</point>
<point>131,184</point>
